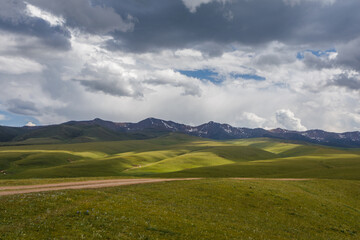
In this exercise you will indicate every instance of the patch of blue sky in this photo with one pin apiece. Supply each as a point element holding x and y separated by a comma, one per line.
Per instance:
<point>15,120</point>
<point>318,53</point>
<point>249,77</point>
<point>204,75</point>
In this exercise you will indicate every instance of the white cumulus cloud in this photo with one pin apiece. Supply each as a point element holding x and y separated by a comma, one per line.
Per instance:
<point>251,120</point>
<point>30,124</point>
<point>287,119</point>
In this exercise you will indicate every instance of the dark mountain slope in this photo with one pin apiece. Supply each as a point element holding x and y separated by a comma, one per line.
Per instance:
<point>101,130</point>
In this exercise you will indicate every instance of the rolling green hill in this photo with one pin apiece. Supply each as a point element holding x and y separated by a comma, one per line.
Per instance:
<point>72,132</point>
<point>98,130</point>
<point>177,155</point>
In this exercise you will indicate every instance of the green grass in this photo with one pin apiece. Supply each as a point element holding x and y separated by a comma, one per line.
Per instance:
<point>191,160</point>
<point>274,146</point>
<point>177,155</point>
<point>296,167</point>
<point>211,208</point>
<point>201,209</point>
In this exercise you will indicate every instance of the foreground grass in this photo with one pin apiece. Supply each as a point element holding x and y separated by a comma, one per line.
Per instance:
<point>201,209</point>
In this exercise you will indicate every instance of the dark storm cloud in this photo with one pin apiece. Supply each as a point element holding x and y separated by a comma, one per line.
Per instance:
<point>316,62</point>
<point>169,24</point>
<point>346,81</point>
<point>14,19</point>
<point>80,14</point>
<point>86,16</point>
<point>55,37</point>
<point>349,54</point>
<point>140,26</point>
<point>19,106</point>
<point>111,87</point>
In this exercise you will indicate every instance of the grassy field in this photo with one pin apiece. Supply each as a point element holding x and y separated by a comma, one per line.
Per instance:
<point>178,155</point>
<point>216,207</point>
<point>201,209</point>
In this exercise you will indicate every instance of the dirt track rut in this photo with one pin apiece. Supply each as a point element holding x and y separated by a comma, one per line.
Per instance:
<point>21,189</point>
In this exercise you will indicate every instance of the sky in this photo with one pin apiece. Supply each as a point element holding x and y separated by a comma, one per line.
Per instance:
<point>292,64</point>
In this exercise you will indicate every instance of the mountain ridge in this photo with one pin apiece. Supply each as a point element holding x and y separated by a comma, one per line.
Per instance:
<point>99,129</point>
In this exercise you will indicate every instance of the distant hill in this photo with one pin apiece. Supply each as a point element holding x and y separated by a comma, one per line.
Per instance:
<point>180,155</point>
<point>101,130</point>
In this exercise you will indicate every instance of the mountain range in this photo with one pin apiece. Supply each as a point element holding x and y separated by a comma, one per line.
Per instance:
<point>101,130</point>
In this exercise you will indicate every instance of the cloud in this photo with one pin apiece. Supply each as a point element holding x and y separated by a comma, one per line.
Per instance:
<point>188,53</point>
<point>297,2</point>
<point>354,119</point>
<point>251,120</point>
<point>12,10</point>
<point>319,62</point>
<point>34,11</point>
<point>284,118</point>
<point>171,78</point>
<point>287,119</point>
<point>192,5</point>
<point>19,106</point>
<point>111,87</point>
<point>165,24</point>
<point>86,15</point>
<point>349,54</point>
<point>30,124</point>
<point>346,80</point>
<point>18,65</point>
<point>2,117</point>
<point>14,20</point>
<point>66,60</point>
<point>109,78</point>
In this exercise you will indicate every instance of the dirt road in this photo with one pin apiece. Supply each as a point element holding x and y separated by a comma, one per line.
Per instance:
<point>275,179</point>
<point>11,190</point>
